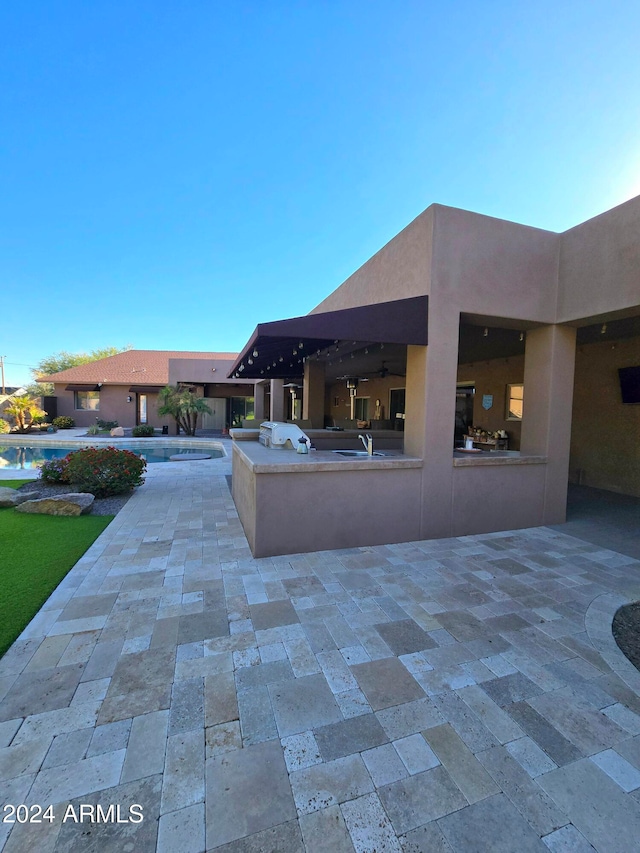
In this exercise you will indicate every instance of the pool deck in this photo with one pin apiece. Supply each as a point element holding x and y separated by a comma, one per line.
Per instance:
<point>459,695</point>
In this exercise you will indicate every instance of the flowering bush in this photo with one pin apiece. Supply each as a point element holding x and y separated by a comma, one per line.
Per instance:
<point>64,422</point>
<point>105,471</point>
<point>143,430</point>
<point>54,470</point>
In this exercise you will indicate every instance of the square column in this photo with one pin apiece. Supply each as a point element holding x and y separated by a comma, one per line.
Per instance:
<point>313,393</point>
<point>277,412</point>
<point>430,416</point>
<point>258,401</point>
<point>549,366</point>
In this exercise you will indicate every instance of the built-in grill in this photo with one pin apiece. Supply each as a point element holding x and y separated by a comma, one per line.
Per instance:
<point>277,435</point>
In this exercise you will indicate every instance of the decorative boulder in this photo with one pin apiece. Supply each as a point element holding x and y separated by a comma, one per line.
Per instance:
<point>11,497</point>
<point>74,503</point>
<point>117,432</point>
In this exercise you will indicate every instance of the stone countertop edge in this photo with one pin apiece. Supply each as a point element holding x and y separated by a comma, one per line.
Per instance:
<point>264,460</point>
<point>492,458</point>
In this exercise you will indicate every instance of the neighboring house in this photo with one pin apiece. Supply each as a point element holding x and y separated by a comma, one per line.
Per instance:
<point>461,320</point>
<point>124,388</point>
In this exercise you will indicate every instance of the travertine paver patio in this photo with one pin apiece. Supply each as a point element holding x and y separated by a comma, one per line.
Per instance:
<point>461,694</point>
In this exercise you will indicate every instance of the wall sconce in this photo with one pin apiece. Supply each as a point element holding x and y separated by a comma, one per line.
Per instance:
<point>128,399</point>
<point>486,332</point>
<point>603,329</point>
<point>521,336</point>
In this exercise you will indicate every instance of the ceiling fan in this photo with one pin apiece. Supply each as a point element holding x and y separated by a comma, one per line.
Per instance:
<point>383,372</point>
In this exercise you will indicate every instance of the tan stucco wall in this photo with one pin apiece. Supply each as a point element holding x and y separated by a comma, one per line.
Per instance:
<point>600,265</point>
<point>486,499</point>
<point>318,510</point>
<point>605,436</point>
<point>492,267</point>
<point>200,371</point>
<point>492,377</point>
<point>400,269</point>
<point>374,389</point>
<point>113,407</point>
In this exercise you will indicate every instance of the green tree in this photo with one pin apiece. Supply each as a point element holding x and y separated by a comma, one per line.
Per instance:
<point>183,405</point>
<point>63,360</point>
<point>23,410</point>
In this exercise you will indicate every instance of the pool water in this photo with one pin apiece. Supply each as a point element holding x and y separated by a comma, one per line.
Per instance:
<point>19,457</point>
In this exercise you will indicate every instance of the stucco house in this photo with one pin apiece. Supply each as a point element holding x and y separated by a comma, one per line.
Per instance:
<point>461,321</point>
<point>124,388</point>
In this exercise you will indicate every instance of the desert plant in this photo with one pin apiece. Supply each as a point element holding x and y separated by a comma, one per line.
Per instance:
<point>94,429</point>
<point>54,470</point>
<point>105,471</point>
<point>107,425</point>
<point>142,431</point>
<point>4,426</point>
<point>183,405</point>
<point>23,410</point>
<point>64,422</point>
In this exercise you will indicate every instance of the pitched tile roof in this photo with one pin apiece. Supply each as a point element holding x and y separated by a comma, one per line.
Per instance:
<point>135,366</point>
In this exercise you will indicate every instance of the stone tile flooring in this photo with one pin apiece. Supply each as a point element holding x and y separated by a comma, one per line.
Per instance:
<point>454,695</point>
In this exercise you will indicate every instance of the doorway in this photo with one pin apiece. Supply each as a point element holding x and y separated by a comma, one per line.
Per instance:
<point>465,396</point>
<point>142,409</point>
<point>397,402</point>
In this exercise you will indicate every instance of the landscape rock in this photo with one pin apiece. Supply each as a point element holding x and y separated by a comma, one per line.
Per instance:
<point>74,503</point>
<point>117,432</point>
<point>11,497</point>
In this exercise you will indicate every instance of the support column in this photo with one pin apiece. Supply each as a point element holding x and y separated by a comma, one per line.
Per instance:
<point>549,365</point>
<point>258,401</point>
<point>277,412</point>
<point>313,393</point>
<point>430,416</point>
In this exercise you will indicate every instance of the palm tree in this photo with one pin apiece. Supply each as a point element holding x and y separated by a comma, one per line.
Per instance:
<point>183,405</point>
<point>23,410</point>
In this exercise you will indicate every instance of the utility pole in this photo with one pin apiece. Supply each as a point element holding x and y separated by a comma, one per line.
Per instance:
<point>2,358</point>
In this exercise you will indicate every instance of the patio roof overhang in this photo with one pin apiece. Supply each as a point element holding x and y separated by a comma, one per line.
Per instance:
<point>278,350</point>
<point>78,387</point>
<point>145,389</point>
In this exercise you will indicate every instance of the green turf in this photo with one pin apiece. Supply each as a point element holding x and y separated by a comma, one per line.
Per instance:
<point>37,552</point>
<point>14,484</point>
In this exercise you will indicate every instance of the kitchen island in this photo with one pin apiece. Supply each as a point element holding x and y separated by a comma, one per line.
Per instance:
<point>295,503</point>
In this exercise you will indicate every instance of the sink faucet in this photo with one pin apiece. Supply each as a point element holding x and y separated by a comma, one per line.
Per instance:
<point>368,443</point>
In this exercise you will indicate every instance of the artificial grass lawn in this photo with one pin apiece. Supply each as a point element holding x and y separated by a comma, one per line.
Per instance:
<point>37,552</point>
<point>14,484</point>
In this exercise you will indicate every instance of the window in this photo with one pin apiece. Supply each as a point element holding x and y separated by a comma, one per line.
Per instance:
<point>361,410</point>
<point>86,401</point>
<point>515,397</point>
<point>142,408</point>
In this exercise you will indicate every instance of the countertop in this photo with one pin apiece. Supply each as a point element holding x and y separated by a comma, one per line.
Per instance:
<point>267,460</point>
<point>495,457</point>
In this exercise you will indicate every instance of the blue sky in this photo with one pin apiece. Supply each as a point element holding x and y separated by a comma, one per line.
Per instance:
<point>173,173</point>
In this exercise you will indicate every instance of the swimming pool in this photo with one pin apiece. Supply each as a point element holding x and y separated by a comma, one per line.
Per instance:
<point>20,457</point>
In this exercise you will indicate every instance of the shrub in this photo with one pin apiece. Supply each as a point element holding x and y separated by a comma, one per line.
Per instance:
<point>106,425</point>
<point>105,471</point>
<point>4,426</point>
<point>64,422</point>
<point>143,430</point>
<point>55,470</point>
<point>94,429</point>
